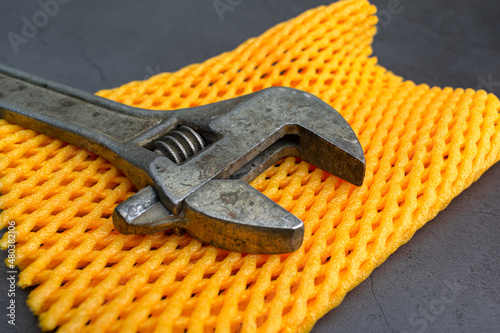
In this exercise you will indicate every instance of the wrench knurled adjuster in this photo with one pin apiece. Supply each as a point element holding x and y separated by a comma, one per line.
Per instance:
<point>193,165</point>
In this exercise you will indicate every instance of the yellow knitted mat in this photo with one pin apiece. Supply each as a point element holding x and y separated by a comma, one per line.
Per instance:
<point>423,147</point>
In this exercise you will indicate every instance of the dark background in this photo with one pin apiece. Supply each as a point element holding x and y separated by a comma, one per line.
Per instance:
<point>93,44</point>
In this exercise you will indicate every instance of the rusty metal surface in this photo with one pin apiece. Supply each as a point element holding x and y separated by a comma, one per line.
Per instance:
<point>237,139</point>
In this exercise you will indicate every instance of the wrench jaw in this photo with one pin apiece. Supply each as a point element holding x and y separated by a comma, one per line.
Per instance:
<point>143,213</point>
<point>232,215</point>
<point>229,214</point>
<point>325,153</point>
<point>325,139</point>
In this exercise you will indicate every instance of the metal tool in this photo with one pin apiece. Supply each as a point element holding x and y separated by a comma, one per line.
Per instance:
<point>193,165</point>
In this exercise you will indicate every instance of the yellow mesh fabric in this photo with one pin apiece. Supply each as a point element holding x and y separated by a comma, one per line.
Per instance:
<point>423,147</point>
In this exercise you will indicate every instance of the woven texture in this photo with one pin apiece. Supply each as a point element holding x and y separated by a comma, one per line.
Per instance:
<point>423,147</point>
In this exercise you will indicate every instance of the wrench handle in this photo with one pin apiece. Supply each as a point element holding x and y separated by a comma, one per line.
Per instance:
<point>80,118</point>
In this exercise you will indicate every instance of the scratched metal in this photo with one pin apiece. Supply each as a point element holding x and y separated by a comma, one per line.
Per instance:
<point>244,136</point>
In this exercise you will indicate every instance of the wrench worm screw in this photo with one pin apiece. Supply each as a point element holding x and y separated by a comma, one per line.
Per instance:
<point>180,145</point>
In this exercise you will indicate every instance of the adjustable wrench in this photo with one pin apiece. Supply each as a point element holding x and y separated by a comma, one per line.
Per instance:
<point>193,165</point>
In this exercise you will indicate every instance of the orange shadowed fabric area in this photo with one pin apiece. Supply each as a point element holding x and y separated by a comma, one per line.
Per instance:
<point>423,147</point>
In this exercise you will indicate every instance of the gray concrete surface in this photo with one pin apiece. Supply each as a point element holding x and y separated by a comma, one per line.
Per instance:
<point>447,278</point>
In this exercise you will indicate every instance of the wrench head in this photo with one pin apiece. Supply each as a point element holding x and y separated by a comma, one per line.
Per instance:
<point>206,194</point>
